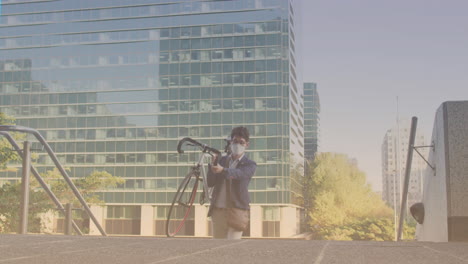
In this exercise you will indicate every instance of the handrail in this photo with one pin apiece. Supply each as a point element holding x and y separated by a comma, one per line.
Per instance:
<point>39,179</point>
<point>59,166</point>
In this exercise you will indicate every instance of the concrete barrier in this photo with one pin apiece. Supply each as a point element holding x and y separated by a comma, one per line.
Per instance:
<point>445,194</point>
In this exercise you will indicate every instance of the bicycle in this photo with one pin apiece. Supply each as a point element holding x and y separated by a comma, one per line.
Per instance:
<point>187,190</point>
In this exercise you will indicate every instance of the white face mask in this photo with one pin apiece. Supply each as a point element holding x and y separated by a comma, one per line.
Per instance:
<point>237,149</point>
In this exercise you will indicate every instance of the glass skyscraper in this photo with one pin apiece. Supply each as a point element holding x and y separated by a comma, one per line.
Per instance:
<point>311,120</point>
<point>113,85</point>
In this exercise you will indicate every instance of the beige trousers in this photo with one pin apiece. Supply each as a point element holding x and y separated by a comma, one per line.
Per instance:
<point>220,228</point>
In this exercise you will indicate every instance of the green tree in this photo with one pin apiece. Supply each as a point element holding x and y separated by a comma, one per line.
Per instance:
<point>10,197</point>
<point>39,201</point>
<point>6,152</point>
<point>377,229</point>
<point>340,201</point>
<point>10,193</point>
<point>97,180</point>
<point>409,229</point>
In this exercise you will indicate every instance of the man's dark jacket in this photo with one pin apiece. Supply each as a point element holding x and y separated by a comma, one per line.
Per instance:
<point>240,179</point>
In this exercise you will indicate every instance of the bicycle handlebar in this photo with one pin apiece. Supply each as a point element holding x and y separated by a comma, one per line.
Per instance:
<point>205,148</point>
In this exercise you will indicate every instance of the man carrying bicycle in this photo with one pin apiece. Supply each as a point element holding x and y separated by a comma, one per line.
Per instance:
<point>229,209</point>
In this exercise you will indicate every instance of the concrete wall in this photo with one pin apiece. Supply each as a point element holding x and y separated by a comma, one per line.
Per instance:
<point>99,213</point>
<point>288,226</point>
<point>434,198</point>
<point>457,171</point>
<point>201,221</point>
<point>147,220</point>
<point>256,221</point>
<point>445,196</point>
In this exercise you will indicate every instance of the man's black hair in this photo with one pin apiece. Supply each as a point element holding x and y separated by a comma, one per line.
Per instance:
<point>242,132</point>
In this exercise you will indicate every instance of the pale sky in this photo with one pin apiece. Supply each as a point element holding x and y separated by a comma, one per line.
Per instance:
<point>363,54</point>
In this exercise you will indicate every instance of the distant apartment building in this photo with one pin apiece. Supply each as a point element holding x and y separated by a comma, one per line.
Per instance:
<point>394,155</point>
<point>114,85</point>
<point>311,120</point>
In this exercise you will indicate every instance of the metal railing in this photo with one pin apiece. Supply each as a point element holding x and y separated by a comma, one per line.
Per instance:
<point>4,132</point>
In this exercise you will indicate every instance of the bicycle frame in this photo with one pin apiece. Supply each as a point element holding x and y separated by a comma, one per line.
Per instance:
<point>201,166</point>
<point>206,151</point>
<point>189,187</point>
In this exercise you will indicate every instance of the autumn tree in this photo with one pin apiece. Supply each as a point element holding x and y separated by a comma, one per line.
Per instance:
<point>341,203</point>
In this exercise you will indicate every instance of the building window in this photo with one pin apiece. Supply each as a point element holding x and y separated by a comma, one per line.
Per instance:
<point>160,219</point>
<point>123,220</point>
<point>271,221</point>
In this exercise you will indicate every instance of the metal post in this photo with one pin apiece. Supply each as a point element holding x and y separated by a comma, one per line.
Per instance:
<point>68,219</point>
<point>23,228</point>
<point>409,160</point>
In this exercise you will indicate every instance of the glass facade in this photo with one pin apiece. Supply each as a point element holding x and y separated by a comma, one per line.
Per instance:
<point>113,86</point>
<point>311,120</point>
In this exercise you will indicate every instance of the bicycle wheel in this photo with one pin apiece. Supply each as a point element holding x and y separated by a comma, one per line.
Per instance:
<point>182,203</point>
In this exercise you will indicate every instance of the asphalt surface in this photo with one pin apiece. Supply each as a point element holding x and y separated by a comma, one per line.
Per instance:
<point>86,249</point>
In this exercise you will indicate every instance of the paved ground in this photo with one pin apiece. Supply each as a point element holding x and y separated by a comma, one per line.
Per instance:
<point>76,249</point>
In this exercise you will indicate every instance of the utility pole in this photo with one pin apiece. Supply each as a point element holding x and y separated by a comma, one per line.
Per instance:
<point>397,170</point>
